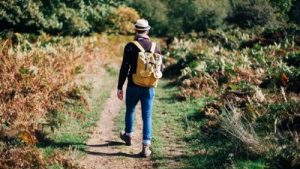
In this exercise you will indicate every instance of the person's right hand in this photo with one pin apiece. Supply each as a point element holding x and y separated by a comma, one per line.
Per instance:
<point>120,94</point>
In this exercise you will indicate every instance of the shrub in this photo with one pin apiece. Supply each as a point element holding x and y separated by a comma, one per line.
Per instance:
<point>32,157</point>
<point>60,16</point>
<point>252,13</point>
<point>209,19</point>
<point>73,23</point>
<point>154,11</point>
<point>232,122</point>
<point>98,17</point>
<point>197,15</point>
<point>25,157</point>
<point>36,79</point>
<point>294,13</point>
<point>123,19</point>
<point>283,6</point>
<point>212,13</point>
<point>23,16</point>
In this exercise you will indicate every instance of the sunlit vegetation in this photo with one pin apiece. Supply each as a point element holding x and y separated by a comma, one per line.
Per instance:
<point>253,78</point>
<point>232,67</point>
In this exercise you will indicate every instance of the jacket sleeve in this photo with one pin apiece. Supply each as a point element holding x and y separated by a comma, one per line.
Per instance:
<point>125,66</point>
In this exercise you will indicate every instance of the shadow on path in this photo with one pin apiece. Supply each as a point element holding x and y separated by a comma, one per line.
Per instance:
<point>118,154</point>
<point>108,143</point>
<point>111,144</point>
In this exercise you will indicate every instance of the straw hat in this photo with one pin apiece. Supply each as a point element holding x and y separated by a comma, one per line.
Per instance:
<point>142,25</point>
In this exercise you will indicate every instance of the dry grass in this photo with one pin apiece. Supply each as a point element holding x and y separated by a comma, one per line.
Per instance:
<point>33,83</point>
<point>36,78</point>
<point>233,123</point>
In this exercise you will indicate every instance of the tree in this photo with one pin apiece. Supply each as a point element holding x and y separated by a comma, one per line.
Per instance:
<point>197,15</point>
<point>250,13</point>
<point>155,11</point>
<point>283,6</point>
<point>56,16</point>
<point>294,13</point>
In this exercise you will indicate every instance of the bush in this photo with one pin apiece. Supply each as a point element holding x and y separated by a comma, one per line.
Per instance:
<point>36,80</point>
<point>123,19</point>
<point>251,13</point>
<point>232,122</point>
<point>154,11</point>
<point>73,23</point>
<point>98,17</point>
<point>25,157</point>
<point>60,16</point>
<point>21,15</point>
<point>283,6</point>
<point>295,12</point>
<point>196,15</point>
<point>212,13</point>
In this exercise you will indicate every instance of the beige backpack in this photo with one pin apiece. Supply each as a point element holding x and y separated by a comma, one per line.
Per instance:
<point>148,69</point>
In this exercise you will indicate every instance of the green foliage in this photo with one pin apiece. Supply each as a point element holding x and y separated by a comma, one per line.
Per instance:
<point>212,13</point>
<point>284,6</point>
<point>155,11</point>
<point>184,14</point>
<point>293,59</point>
<point>122,20</point>
<point>167,18</point>
<point>72,21</point>
<point>59,16</point>
<point>252,13</point>
<point>54,119</point>
<point>171,19</point>
<point>257,83</point>
<point>197,15</point>
<point>283,118</point>
<point>248,164</point>
<point>18,13</point>
<point>294,13</point>
<point>204,147</point>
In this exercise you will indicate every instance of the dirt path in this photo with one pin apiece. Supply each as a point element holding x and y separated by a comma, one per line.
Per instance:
<point>106,150</point>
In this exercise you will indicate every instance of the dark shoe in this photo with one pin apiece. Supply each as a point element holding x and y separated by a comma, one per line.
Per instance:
<point>125,138</point>
<point>146,152</point>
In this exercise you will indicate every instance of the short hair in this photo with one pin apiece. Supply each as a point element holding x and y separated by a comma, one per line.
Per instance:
<point>141,31</point>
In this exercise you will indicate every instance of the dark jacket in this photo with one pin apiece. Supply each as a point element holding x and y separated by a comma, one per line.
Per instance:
<point>130,56</point>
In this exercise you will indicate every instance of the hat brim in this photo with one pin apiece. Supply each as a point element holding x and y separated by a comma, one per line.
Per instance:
<point>142,29</point>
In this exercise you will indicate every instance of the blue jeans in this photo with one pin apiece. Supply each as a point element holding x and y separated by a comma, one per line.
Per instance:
<point>133,96</point>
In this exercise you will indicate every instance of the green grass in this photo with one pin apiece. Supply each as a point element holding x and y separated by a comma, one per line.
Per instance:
<point>169,116</point>
<point>56,166</point>
<point>182,122</point>
<point>247,164</point>
<point>171,119</point>
<point>120,121</point>
<point>74,131</point>
<point>177,122</point>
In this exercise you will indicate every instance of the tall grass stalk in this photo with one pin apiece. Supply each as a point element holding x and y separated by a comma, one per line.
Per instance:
<point>235,125</point>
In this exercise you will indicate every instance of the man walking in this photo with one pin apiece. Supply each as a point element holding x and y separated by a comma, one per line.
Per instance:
<point>135,92</point>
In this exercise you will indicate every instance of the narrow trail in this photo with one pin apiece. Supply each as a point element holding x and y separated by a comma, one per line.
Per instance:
<point>105,148</point>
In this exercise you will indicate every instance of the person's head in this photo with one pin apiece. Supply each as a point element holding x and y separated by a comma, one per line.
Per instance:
<point>142,26</point>
<point>142,32</point>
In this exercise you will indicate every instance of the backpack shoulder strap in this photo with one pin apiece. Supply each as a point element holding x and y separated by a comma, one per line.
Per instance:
<point>137,44</point>
<point>153,46</point>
